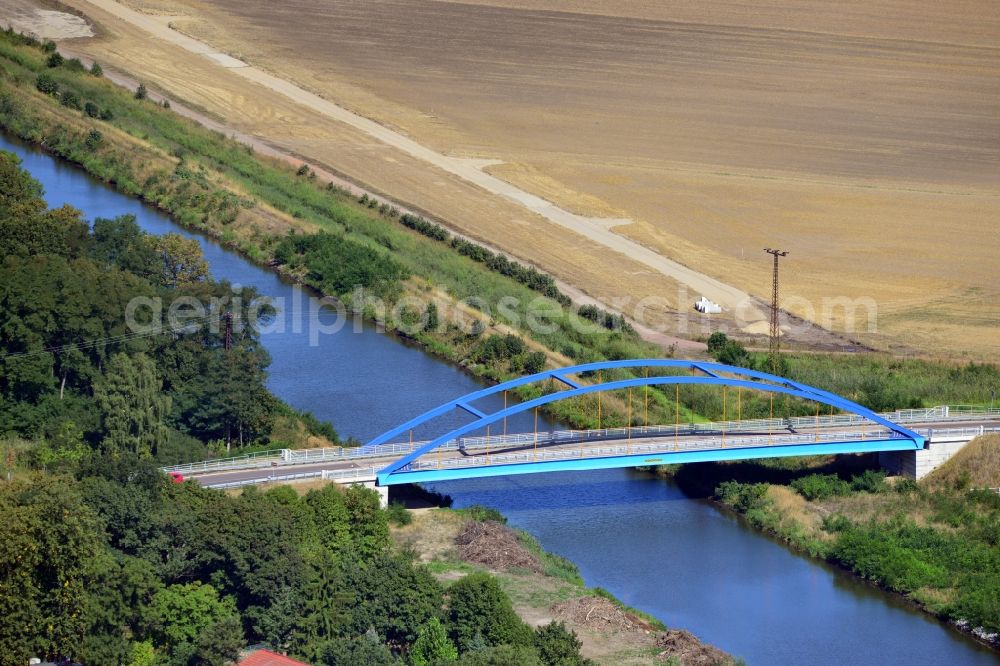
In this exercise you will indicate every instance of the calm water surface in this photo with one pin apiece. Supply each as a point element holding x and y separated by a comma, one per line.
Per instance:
<point>679,559</point>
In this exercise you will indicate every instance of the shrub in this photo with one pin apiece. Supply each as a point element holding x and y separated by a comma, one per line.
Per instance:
<point>558,645</point>
<point>91,110</point>
<point>107,115</point>
<point>398,514</point>
<point>477,605</point>
<point>821,486</point>
<point>870,481</point>
<point>302,170</point>
<point>498,348</point>
<point>74,65</point>
<point>742,497</point>
<point>70,99</point>
<point>96,70</point>
<point>46,84</point>
<point>432,319</point>
<point>482,513</point>
<point>141,92</point>
<point>49,46</point>
<point>94,139</point>
<point>55,60</point>
<point>609,321</point>
<point>534,362</point>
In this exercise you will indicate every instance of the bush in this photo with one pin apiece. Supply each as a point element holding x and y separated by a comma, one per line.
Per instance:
<point>74,65</point>
<point>478,606</point>
<point>91,110</point>
<point>46,84</point>
<point>606,319</point>
<point>94,139</point>
<point>141,92</point>
<point>398,514</point>
<point>821,486</point>
<point>107,115</point>
<point>870,481</point>
<point>70,99</point>
<point>558,646</point>
<point>55,60</point>
<point>482,513</point>
<point>742,497</point>
<point>96,70</point>
<point>498,348</point>
<point>534,363</point>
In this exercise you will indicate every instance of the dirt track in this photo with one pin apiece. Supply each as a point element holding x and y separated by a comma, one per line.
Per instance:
<point>595,229</point>
<point>862,139</point>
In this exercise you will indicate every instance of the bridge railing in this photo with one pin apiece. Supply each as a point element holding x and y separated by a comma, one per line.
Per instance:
<point>660,447</point>
<point>641,447</point>
<point>282,457</point>
<point>336,475</point>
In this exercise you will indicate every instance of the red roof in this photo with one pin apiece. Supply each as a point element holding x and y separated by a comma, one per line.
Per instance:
<point>268,658</point>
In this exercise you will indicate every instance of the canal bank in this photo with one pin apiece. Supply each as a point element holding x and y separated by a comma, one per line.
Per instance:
<point>645,541</point>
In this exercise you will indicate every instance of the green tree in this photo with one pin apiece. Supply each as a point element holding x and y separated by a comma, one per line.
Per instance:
<point>140,92</point>
<point>558,646</point>
<point>534,362</point>
<point>478,605</point>
<point>55,59</point>
<point>502,655</point>
<point>132,406</point>
<point>49,550</point>
<point>432,645</point>
<point>96,70</point>
<point>219,644</point>
<point>331,517</point>
<point>321,609</point>
<point>142,654</point>
<point>182,259</point>
<point>178,614</point>
<point>368,522</point>
<point>392,596</point>
<point>432,319</point>
<point>357,652</point>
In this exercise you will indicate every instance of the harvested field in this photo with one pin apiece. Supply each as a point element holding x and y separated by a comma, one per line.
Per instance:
<point>42,21</point>
<point>862,139</point>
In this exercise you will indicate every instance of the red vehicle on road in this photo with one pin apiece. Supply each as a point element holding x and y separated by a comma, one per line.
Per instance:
<point>176,477</point>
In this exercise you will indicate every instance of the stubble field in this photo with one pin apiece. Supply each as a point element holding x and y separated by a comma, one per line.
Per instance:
<point>865,139</point>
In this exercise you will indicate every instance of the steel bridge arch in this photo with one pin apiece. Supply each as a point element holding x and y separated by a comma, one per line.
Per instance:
<point>745,378</point>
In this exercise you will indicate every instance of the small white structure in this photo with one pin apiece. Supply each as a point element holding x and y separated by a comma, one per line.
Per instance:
<point>706,306</point>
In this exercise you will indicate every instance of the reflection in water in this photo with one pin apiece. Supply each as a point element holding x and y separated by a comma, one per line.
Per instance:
<point>639,537</point>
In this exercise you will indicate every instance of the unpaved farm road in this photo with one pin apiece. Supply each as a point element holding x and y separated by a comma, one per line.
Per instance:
<point>597,230</point>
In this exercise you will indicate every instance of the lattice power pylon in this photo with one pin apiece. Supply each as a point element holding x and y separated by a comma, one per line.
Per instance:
<point>774,348</point>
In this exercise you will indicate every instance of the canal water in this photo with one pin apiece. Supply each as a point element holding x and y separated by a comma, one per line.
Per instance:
<point>682,560</point>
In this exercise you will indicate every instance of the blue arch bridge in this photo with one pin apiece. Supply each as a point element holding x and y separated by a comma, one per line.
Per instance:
<point>910,442</point>
<point>456,455</point>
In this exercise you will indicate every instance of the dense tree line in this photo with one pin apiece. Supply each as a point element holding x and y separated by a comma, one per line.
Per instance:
<point>117,565</point>
<point>73,374</point>
<point>337,265</point>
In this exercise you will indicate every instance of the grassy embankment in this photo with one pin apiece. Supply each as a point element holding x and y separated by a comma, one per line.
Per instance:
<point>252,203</point>
<point>934,541</point>
<point>541,590</point>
